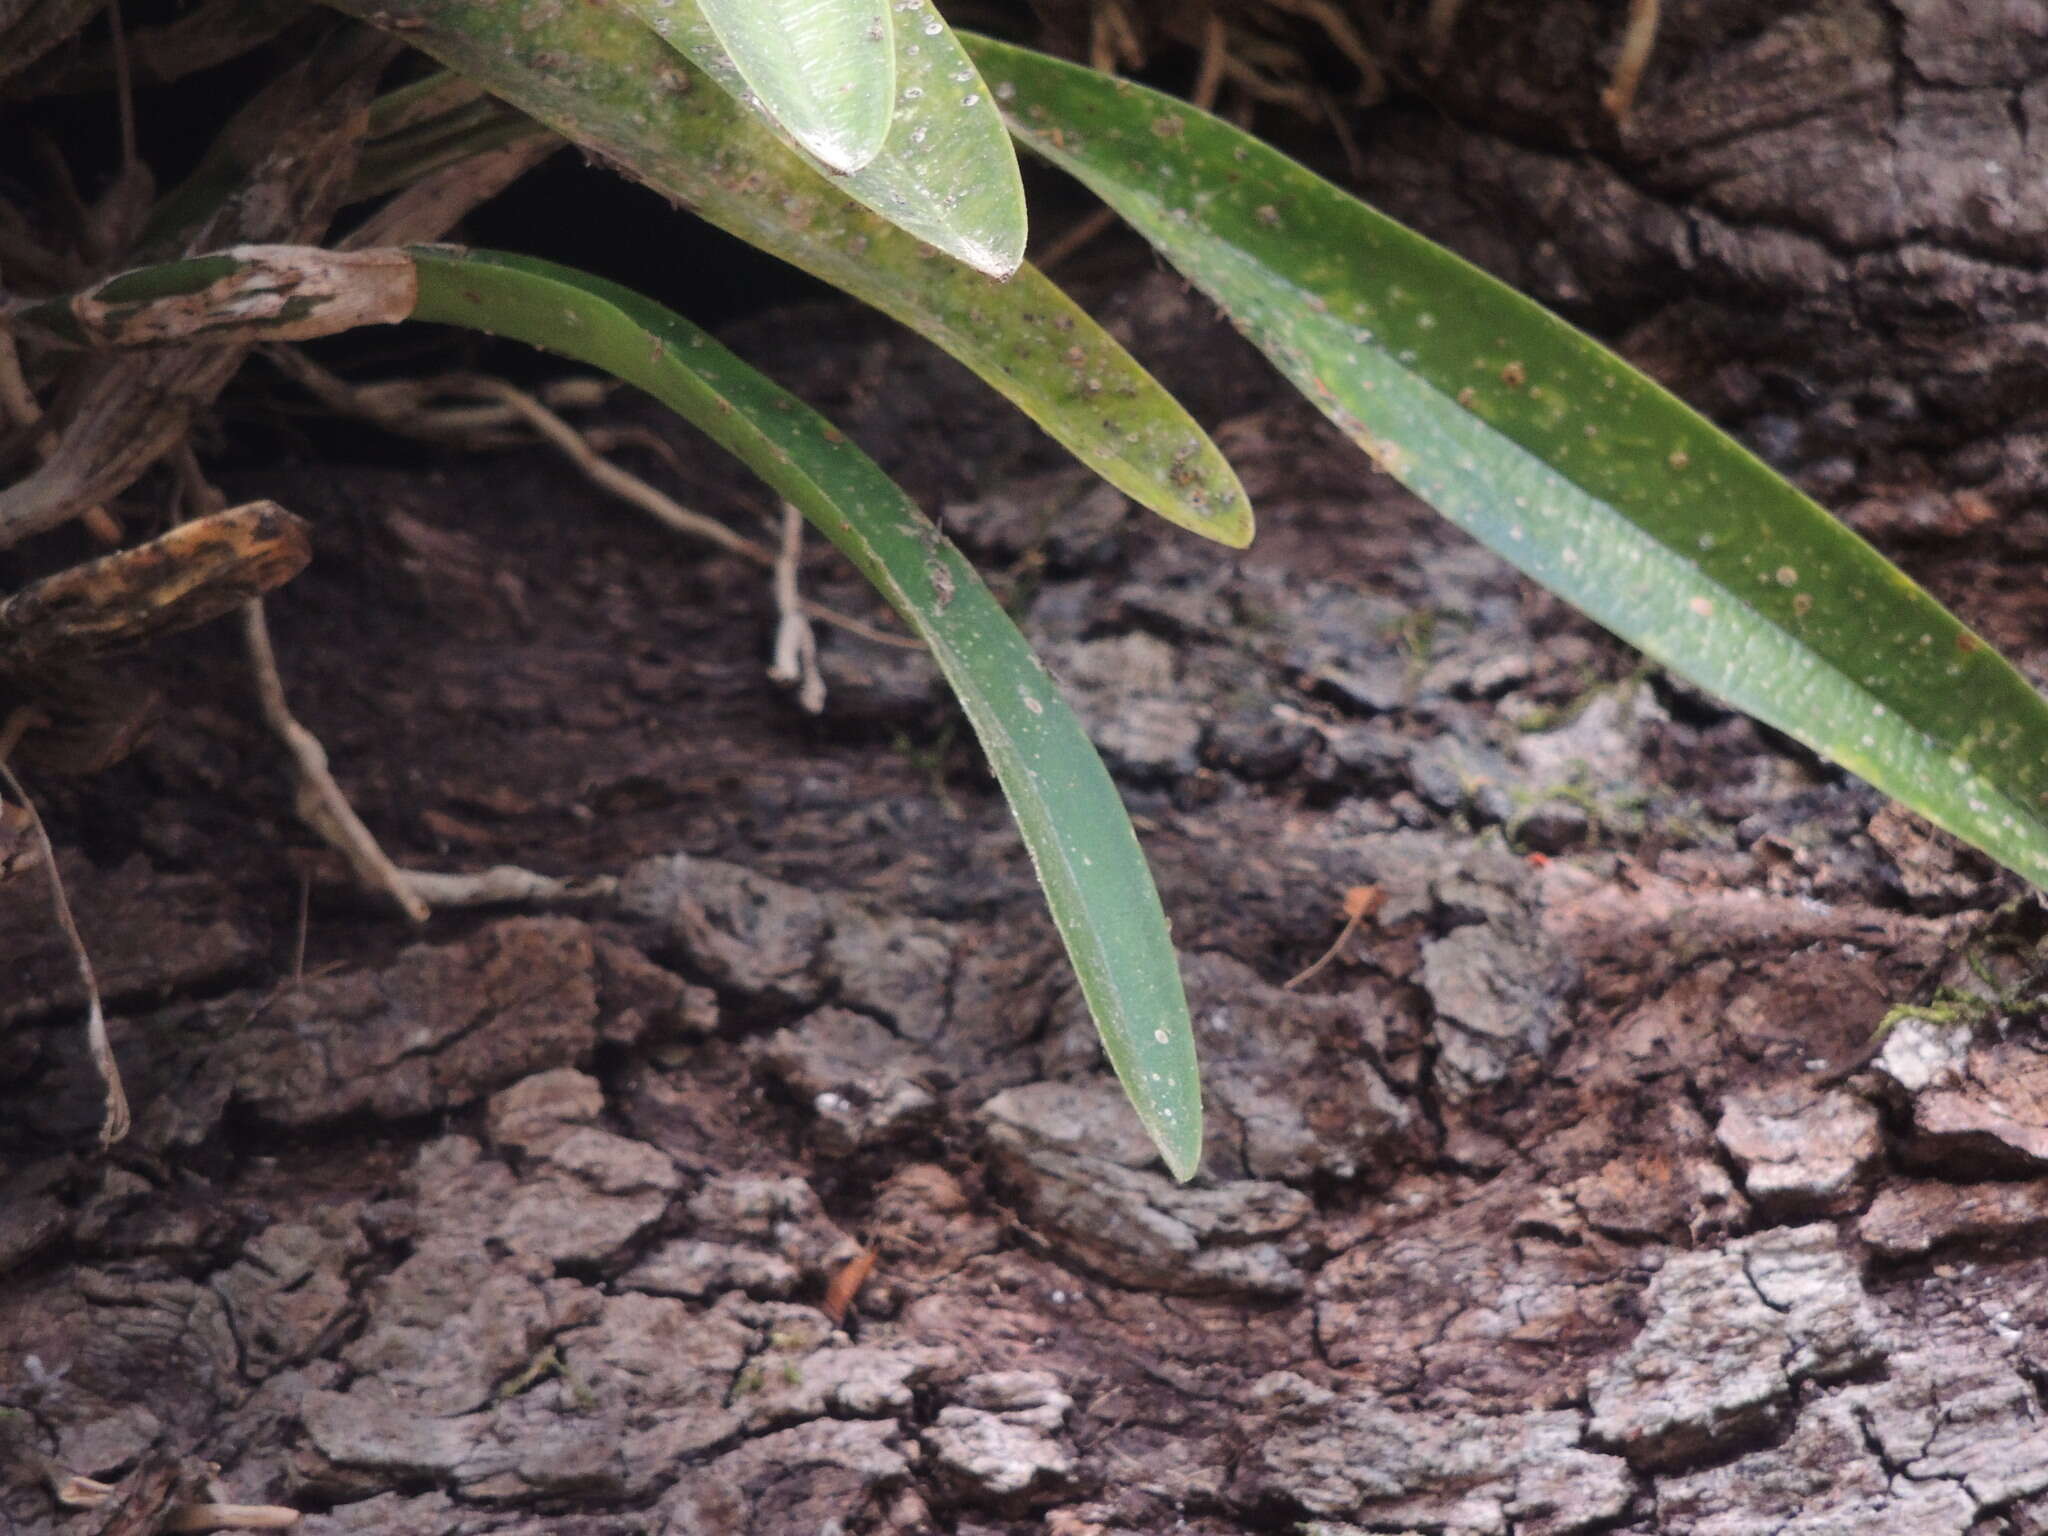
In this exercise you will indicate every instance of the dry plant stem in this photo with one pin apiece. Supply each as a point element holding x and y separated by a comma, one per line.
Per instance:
<point>114,1117</point>
<point>1636,43</point>
<point>192,573</point>
<point>268,293</point>
<point>796,647</point>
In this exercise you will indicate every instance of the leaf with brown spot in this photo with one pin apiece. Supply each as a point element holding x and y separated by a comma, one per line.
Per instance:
<point>198,571</point>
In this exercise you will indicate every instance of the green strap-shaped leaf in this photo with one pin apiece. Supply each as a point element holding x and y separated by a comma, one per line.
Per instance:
<point>1560,457</point>
<point>947,172</point>
<point>607,83</point>
<point>1080,840</point>
<point>823,70</point>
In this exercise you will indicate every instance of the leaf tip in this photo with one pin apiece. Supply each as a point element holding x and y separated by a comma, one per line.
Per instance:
<point>1182,1161</point>
<point>1235,530</point>
<point>841,159</point>
<point>999,258</point>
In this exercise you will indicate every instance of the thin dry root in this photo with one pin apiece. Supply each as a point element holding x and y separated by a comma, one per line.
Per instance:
<point>114,1117</point>
<point>1438,27</point>
<point>320,801</point>
<point>502,884</point>
<point>401,406</point>
<point>91,1493</point>
<point>847,1283</point>
<point>230,1517</point>
<point>19,407</point>
<point>429,208</point>
<point>1080,233</point>
<point>324,808</point>
<point>1360,903</point>
<point>1336,26</point>
<point>796,647</point>
<point>1636,43</point>
<point>1113,39</point>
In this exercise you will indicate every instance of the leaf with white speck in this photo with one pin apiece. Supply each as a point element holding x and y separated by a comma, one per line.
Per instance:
<point>1556,454</point>
<point>1075,828</point>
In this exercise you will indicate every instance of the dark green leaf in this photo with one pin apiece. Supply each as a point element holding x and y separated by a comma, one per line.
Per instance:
<point>1559,456</point>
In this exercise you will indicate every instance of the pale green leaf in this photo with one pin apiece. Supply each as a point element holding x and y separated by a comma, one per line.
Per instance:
<point>609,84</point>
<point>946,173</point>
<point>824,71</point>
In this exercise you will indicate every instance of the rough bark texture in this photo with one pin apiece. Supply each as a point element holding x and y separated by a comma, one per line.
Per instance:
<point>1573,1198</point>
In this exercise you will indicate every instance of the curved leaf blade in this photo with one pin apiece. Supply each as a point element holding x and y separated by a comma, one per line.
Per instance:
<point>823,70</point>
<point>947,172</point>
<point>613,87</point>
<point>1081,843</point>
<point>1564,460</point>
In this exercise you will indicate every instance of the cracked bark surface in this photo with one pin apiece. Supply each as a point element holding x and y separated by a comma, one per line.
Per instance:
<point>1575,1196</point>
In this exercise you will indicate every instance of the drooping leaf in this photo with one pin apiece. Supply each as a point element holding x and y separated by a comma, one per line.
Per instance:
<point>821,70</point>
<point>607,83</point>
<point>1080,840</point>
<point>1560,457</point>
<point>946,173</point>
